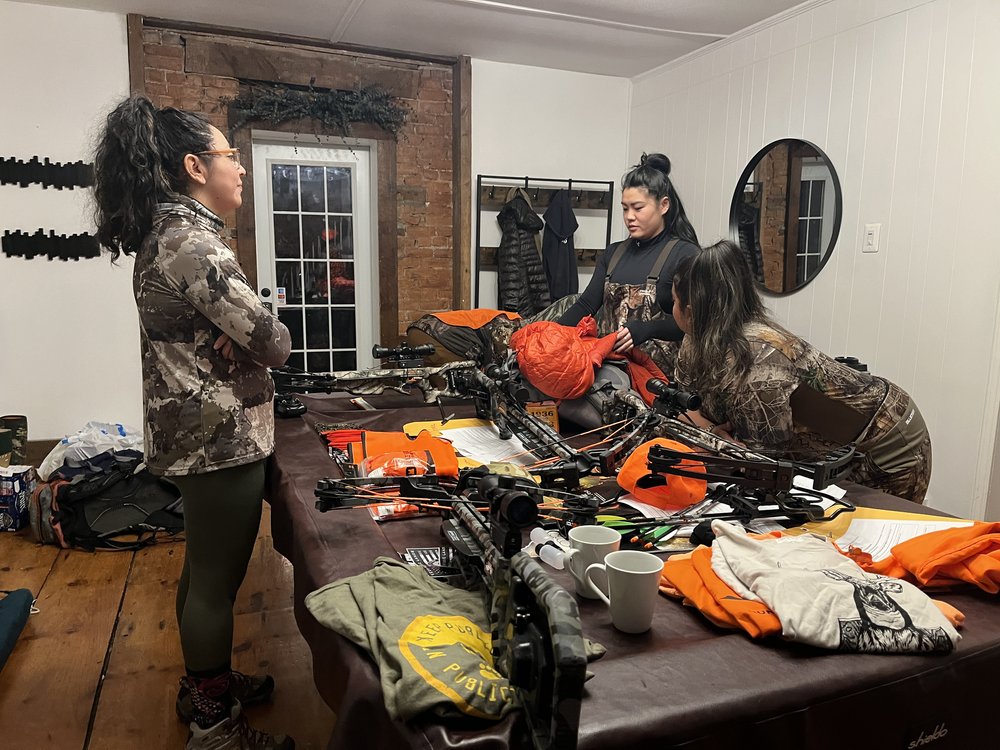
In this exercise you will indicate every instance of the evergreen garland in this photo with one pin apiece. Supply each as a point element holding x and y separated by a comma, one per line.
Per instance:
<point>334,109</point>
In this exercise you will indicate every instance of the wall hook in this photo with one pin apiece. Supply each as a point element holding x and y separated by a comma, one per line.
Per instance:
<point>492,188</point>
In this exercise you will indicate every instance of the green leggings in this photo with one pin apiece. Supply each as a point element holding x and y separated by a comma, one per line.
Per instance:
<point>221,520</point>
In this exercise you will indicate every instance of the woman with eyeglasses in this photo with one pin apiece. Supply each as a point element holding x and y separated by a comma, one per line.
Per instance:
<point>778,394</point>
<point>163,180</point>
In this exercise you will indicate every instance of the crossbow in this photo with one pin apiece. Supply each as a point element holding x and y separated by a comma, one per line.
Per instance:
<point>500,394</point>
<point>753,484</point>
<point>447,380</point>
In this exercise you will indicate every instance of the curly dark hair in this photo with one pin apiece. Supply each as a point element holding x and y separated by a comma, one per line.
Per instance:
<point>653,174</point>
<point>138,162</point>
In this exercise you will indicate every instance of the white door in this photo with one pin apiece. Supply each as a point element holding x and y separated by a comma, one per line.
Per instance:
<point>316,248</point>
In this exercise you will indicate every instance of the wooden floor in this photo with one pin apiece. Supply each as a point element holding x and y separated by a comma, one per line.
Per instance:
<point>97,667</point>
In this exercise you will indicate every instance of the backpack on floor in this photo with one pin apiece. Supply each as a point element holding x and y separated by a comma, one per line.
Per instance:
<point>110,502</point>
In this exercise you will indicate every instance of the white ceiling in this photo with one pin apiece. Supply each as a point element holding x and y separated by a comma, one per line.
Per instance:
<point>610,37</point>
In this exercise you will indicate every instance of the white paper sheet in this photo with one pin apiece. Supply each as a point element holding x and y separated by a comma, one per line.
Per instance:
<point>648,511</point>
<point>877,537</point>
<point>484,444</point>
<point>806,483</point>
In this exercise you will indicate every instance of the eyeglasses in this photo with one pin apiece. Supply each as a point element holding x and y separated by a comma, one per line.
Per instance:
<point>233,154</point>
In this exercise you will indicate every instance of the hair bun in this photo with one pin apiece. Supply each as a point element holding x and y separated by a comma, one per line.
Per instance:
<point>657,161</point>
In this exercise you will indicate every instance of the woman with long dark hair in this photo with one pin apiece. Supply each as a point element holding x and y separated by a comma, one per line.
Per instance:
<point>629,293</point>
<point>775,392</point>
<point>163,179</point>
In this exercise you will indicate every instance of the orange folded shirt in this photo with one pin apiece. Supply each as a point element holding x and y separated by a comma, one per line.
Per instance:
<point>970,554</point>
<point>692,576</point>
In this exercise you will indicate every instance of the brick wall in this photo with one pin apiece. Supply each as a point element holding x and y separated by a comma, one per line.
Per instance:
<point>772,171</point>
<point>424,176</point>
<point>423,169</point>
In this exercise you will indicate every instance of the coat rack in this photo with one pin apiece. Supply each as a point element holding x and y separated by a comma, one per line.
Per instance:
<point>491,193</point>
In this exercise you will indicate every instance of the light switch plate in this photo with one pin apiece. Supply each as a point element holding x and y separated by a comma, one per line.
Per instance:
<point>869,243</point>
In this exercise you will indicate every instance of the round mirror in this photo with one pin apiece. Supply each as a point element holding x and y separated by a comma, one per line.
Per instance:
<point>786,214</point>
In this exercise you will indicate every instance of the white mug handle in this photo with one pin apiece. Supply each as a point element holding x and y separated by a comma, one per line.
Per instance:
<point>568,557</point>
<point>593,583</point>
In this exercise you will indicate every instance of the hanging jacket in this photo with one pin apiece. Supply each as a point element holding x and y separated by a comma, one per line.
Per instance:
<point>521,283</point>
<point>558,251</point>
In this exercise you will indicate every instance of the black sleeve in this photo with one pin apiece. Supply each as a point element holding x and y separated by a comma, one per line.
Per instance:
<point>665,328</point>
<point>590,301</point>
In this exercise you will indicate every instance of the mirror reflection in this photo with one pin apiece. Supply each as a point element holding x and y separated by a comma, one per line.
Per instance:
<point>786,213</point>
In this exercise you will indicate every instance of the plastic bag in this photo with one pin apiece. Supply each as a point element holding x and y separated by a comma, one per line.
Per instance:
<point>95,438</point>
<point>396,464</point>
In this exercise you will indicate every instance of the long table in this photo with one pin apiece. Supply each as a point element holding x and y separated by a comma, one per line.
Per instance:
<point>684,684</point>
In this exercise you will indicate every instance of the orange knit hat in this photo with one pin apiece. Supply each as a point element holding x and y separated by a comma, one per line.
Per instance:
<point>665,491</point>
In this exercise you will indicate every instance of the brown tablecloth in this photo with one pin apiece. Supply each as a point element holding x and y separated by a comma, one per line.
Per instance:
<point>684,684</point>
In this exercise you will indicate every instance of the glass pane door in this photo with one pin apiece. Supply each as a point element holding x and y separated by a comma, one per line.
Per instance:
<point>319,273</point>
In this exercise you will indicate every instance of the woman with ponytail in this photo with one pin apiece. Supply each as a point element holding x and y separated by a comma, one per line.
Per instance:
<point>629,293</point>
<point>163,179</point>
<point>775,392</point>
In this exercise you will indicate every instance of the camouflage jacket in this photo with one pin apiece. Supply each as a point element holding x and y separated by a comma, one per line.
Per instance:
<point>202,411</point>
<point>795,400</point>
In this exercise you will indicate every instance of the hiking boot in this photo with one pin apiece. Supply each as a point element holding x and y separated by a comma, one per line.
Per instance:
<point>248,689</point>
<point>234,733</point>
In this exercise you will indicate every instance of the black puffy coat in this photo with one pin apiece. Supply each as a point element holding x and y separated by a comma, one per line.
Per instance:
<point>521,283</point>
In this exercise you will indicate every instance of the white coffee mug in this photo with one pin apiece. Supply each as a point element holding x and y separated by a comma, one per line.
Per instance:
<point>589,545</point>
<point>631,583</point>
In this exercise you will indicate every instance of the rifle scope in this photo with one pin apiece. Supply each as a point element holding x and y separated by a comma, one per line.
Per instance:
<point>511,504</point>
<point>673,397</point>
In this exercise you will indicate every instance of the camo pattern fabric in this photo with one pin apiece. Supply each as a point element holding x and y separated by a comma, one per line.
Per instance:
<point>554,311</point>
<point>897,449</point>
<point>625,302</point>
<point>554,719</point>
<point>432,382</point>
<point>758,406</point>
<point>202,412</point>
<point>484,345</point>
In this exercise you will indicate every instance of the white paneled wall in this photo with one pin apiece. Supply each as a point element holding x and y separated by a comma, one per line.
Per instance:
<point>904,97</point>
<point>547,123</point>
<point>69,333</point>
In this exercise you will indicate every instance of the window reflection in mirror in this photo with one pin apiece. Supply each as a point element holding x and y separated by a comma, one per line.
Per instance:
<point>786,213</point>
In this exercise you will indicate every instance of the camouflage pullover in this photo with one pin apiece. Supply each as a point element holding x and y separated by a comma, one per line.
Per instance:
<point>796,401</point>
<point>203,412</point>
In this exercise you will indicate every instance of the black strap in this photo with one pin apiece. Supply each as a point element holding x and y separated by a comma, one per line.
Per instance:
<point>654,272</point>
<point>661,261</point>
<point>616,255</point>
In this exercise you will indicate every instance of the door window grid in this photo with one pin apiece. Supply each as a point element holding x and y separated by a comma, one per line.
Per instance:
<point>809,251</point>
<point>320,305</point>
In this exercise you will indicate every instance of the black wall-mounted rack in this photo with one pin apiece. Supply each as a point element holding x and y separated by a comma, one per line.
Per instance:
<point>491,193</point>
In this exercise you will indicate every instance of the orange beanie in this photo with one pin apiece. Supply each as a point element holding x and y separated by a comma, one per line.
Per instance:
<point>665,491</point>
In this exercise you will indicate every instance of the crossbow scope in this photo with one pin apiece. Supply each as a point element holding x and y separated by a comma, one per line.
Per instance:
<point>673,399</point>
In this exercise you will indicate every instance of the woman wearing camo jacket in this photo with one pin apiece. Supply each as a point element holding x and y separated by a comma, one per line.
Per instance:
<point>778,394</point>
<point>163,179</point>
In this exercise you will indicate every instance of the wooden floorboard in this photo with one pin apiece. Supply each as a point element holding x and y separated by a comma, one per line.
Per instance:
<point>48,685</point>
<point>122,600</point>
<point>136,701</point>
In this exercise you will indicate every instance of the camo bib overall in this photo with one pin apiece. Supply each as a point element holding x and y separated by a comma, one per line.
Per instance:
<point>626,302</point>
